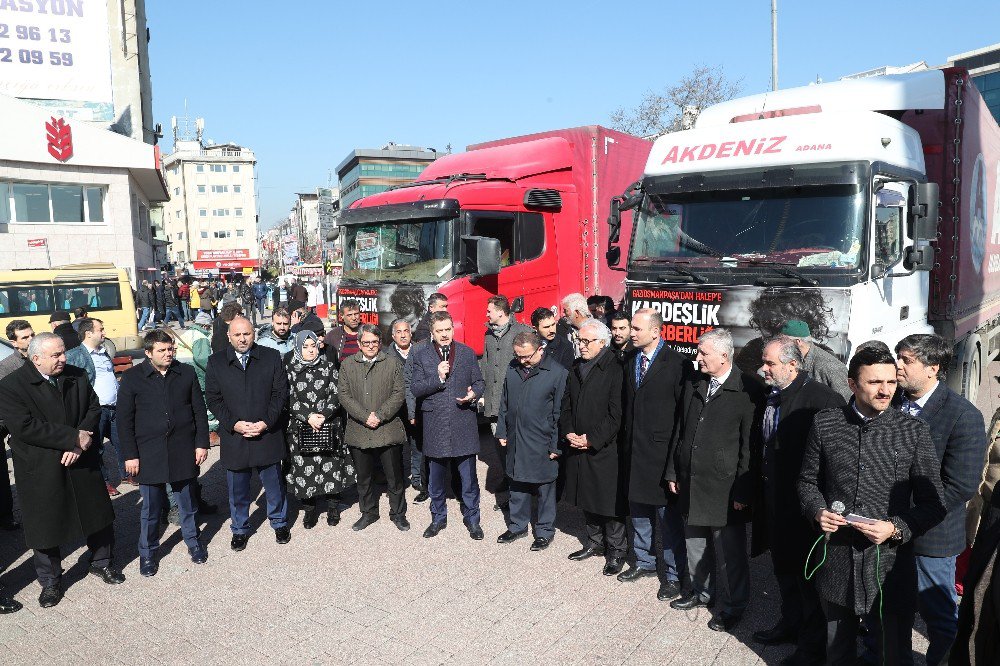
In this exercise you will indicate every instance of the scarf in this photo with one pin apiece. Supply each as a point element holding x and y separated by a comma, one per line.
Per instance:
<point>300,339</point>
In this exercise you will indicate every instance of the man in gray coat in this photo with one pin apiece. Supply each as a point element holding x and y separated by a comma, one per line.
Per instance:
<point>821,365</point>
<point>528,428</point>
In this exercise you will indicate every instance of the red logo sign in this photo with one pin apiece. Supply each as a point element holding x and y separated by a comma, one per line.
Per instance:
<point>36,242</point>
<point>60,137</point>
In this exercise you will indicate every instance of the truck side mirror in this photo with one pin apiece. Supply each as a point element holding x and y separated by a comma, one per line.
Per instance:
<point>924,213</point>
<point>613,255</point>
<point>484,252</point>
<point>615,220</point>
<point>919,258</point>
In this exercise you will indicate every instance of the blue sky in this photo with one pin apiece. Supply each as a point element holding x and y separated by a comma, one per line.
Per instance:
<point>304,82</point>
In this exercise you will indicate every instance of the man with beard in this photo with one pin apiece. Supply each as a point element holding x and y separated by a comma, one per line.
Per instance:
<point>342,341</point>
<point>436,302</point>
<point>621,342</point>
<point>557,347</point>
<point>278,334</point>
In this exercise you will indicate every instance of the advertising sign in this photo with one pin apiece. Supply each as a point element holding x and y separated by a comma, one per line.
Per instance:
<point>383,304</point>
<point>58,52</point>
<point>219,255</point>
<point>290,248</point>
<point>749,313</point>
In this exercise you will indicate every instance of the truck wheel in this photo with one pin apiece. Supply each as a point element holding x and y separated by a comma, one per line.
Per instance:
<point>973,379</point>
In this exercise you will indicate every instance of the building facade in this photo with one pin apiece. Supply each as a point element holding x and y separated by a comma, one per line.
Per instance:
<point>367,171</point>
<point>210,222</point>
<point>984,69</point>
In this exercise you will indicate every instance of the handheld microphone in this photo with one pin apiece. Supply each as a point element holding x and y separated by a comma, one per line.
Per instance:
<point>445,352</point>
<point>837,507</point>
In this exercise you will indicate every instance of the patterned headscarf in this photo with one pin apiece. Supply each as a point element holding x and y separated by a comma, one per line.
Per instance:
<point>300,339</point>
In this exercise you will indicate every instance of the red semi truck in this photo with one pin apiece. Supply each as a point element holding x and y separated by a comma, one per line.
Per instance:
<point>524,217</point>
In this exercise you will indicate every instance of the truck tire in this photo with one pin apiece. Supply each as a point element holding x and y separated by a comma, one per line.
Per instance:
<point>974,377</point>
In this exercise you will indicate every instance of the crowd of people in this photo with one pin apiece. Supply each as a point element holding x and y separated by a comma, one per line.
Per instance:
<point>855,479</point>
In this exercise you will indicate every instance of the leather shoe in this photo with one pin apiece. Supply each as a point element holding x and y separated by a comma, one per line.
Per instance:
<point>510,537</point>
<point>635,573</point>
<point>669,590</point>
<point>239,542</point>
<point>363,522</point>
<point>148,567</point>
<point>776,635</point>
<point>401,523</point>
<point>724,622</point>
<point>501,506</point>
<point>589,551</point>
<point>614,566</point>
<point>421,497</point>
<point>476,532</point>
<point>282,535</point>
<point>433,529</point>
<point>310,517</point>
<point>333,516</point>
<point>198,554</point>
<point>50,596</point>
<point>7,603</point>
<point>107,574</point>
<point>9,525</point>
<point>688,602</point>
<point>540,543</point>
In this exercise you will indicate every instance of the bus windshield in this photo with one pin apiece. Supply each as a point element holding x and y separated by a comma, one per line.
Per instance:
<point>406,251</point>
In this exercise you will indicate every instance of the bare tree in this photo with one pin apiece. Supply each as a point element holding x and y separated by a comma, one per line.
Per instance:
<point>677,107</point>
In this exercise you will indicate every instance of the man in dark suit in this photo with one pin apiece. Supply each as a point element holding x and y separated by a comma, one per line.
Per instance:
<point>778,525</point>
<point>220,326</point>
<point>61,326</point>
<point>590,421</point>
<point>246,388</point>
<point>436,302</point>
<point>172,441</point>
<point>654,381</point>
<point>557,347</point>
<point>51,412</point>
<point>447,382</point>
<point>959,435</point>
<point>709,470</point>
<point>621,329</point>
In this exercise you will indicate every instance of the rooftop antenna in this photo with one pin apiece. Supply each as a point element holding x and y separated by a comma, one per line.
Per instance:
<point>774,45</point>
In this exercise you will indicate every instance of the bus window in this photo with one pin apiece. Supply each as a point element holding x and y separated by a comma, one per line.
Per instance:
<point>28,300</point>
<point>89,296</point>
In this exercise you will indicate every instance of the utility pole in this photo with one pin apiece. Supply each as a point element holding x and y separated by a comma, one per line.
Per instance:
<point>774,44</point>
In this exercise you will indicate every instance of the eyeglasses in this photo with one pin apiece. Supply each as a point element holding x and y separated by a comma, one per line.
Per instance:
<point>369,343</point>
<point>585,342</point>
<point>522,359</point>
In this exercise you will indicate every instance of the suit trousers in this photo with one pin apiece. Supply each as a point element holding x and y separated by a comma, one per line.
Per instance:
<point>606,533</point>
<point>239,497</point>
<point>842,635</point>
<point>463,469</point>
<point>154,497</point>
<point>391,458</point>
<point>801,611</point>
<point>721,551</point>
<point>520,508</point>
<point>48,561</point>
<point>6,497</point>
<point>646,520</point>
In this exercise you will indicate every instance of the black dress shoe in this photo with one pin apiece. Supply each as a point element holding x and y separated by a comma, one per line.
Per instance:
<point>510,537</point>
<point>589,551</point>
<point>363,522</point>
<point>148,567</point>
<point>50,596</point>
<point>540,543</point>
<point>401,523</point>
<point>724,622</point>
<point>239,542</point>
<point>501,506</point>
<point>198,554</point>
<point>310,518</point>
<point>614,566</point>
<point>688,602</point>
<point>433,529</point>
<point>635,573</point>
<point>421,497</point>
<point>282,535</point>
<point>669,590</point>
<point>476,532</point>
<point>7,603</point>
<point>776,635</point>
<point>333,516</point>
<point>107,574</point>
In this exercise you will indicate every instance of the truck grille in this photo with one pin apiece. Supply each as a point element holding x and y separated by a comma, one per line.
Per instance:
<point>543,199</point>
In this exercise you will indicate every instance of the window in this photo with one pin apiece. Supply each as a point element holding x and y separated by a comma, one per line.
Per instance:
<point>26,300</point>
<point>236,168</point>
<point>204,234</point>
<point>97,296</point>
<point>202,212</point>
<point>237,189</point>
<point>33,203</point>
<point>499,226</point>
<point>201,189</point>
<point>67,203</point>
<point>200,168</point>
<point>95,204</point>
<point>219,168</point>
<point>531,236</point>
<point>177,214</point>
<point>173,170</point>
<point>4,203</point>
<point>180,256</point>
<point>46,298</point>
<point>220,212</point>
<point>239,212</point>
<point>180,235</point>
<point>177,191</point>
<point>219,189</point>
<point>239,233</point>
<point>222,234</point>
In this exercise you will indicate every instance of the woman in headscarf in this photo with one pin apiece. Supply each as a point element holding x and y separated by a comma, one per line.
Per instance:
<point>313,404</point>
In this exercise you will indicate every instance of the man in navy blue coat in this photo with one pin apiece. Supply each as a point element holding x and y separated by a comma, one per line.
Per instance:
<point>447,382</point>
<point>246,388</point>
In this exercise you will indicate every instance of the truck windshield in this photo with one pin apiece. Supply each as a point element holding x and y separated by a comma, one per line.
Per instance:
<point>803,226</point>
<point>411,251</point>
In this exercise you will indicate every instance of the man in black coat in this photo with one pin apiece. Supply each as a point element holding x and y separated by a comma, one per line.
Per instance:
<point>528,431</point>
<point>51,412</point>
<point>621,329</point>
<point>709,470</point>
<point>959,435</point>
<point>436,302</point>
<point>557,347</point>
<point>654,381</point>
<point>172,441</point>
<point>61,326</point>
<point>881,464</point>
<point>590,421</point>
<point>246,388</point>
<point>778,525</point>
<point>220,326</point>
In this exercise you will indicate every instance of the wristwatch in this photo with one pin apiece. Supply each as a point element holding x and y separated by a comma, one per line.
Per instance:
<point>897,534</point>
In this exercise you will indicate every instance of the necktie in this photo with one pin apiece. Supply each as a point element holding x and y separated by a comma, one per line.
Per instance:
<point>643,365</point>
<point>243,361</point>
<point>713,386</point>
<point>771,414</point>
<point>911,407</point>
<point>55,384</point>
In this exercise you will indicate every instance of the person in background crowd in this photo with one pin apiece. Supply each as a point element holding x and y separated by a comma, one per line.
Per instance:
<point>145,303</point>
<point>316,296</point>
<point>654,381</point>
<point>436,302</point>
<point>298,292</point>
<point>60,325</point>
<point>528,430</point>
<point>401,347</point>
<point>601,308</point>
<point>446,380</point>
<point>959,435</point>
<point>277,289</point>
<point>498,352</point>
<point>184,296</point>
<point>778,525</point>
<point>372,391</point>
<point>821,365</point>
<point>621,330</point>
<point>20,334</point>
<point>979,614</point>
<point>260,296</point>
<point>220,327</point>
<point>163,426</point>
<point>194,302</point>
<point>51,411</point>
<point>277,335</point>
<point>575,312</point>
<point>159,302</point>
<point>313,404</point>
<point>880,463</point>
<point>172,303</point>
<point>246,388</point>
<point>342,341</point>
<point>244,294</point>
<point>208,298</point>
<point>79,313</point>
<point>590,421</point>
<point>304,319</point>
<point>557,347</point>
<point>92,357</point>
